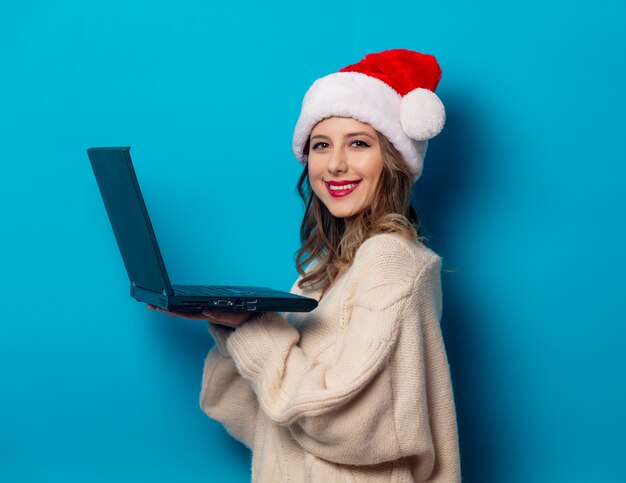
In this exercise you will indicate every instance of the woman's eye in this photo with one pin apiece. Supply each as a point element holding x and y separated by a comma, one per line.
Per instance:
<point>317,146</point>
<point>359,144</point>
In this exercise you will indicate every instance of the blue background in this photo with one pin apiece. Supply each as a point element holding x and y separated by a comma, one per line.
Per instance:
<point>522,194</point>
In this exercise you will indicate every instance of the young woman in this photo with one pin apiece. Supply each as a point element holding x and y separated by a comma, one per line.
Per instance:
<point>358,390</point>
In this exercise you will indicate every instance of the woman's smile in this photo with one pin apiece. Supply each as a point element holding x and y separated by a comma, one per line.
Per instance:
<point>338,189</point>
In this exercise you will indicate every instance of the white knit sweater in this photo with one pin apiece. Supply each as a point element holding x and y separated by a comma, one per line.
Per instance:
<point>358,390</point>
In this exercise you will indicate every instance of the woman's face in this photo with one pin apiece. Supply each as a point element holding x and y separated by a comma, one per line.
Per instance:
<point>345,164</point>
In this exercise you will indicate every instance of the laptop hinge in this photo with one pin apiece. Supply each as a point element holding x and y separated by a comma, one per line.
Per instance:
<point>134,285</point>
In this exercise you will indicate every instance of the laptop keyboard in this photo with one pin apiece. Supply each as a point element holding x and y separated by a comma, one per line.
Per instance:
<point>208,290</point>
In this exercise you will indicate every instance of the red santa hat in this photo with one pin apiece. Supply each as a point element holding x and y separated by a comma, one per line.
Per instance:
<point>392,91</point>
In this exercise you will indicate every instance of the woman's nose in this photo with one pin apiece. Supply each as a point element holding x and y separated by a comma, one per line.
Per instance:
<point>337,163</point>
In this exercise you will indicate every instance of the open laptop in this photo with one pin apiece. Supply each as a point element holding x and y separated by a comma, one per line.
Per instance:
<point>140,251</point>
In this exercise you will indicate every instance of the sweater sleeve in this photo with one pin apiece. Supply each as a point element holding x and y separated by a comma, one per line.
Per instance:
<point>339,408</point>
<point>225,395</point>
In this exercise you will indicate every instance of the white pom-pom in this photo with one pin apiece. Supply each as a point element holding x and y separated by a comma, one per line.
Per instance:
<point>422,114</point>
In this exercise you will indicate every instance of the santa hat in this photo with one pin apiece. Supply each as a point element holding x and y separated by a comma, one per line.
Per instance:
<point>392,91</point>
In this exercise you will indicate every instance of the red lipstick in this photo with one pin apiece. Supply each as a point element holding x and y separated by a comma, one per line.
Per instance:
<point>340,188</point>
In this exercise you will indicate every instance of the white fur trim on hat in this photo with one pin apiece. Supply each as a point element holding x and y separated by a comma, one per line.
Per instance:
<point>364,98</point>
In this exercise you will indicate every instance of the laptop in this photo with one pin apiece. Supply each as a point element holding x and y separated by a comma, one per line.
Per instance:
<point>149,281</point>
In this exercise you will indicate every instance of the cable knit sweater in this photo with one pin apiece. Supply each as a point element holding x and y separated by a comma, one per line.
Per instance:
<point>358,390</point>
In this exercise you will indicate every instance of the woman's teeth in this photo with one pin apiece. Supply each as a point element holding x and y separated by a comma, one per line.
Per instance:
<point>344,187</point>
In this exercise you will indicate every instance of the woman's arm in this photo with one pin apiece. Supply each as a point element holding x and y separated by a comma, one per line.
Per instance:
<point>342,409</point>
<point>225,395</point>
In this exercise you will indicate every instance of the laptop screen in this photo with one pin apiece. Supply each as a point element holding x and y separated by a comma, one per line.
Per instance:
<point>129,218</point>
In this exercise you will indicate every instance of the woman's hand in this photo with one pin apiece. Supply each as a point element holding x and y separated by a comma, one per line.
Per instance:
<point>229,319</point>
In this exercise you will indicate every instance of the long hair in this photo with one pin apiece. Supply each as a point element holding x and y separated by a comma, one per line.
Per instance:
<point>333,244</point>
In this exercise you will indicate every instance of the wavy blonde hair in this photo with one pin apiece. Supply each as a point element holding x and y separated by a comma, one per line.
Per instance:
<point>333,244</point>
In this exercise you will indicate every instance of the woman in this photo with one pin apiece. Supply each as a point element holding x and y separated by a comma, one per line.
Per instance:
<point>358,389</point>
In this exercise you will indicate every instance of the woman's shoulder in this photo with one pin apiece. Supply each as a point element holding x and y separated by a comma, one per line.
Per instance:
<point>395,253</point>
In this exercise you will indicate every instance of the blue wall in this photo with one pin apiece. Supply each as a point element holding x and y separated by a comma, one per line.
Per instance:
<point>522,195</point>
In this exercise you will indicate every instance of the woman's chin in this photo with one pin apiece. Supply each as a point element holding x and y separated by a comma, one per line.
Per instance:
<point>343,213</point>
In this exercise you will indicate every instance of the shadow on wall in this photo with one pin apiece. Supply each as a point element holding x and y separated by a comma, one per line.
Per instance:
<point>453,166</point>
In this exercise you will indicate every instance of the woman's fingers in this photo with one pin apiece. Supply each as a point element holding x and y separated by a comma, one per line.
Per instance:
<point>229,319</point>
<point>182,315</point>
